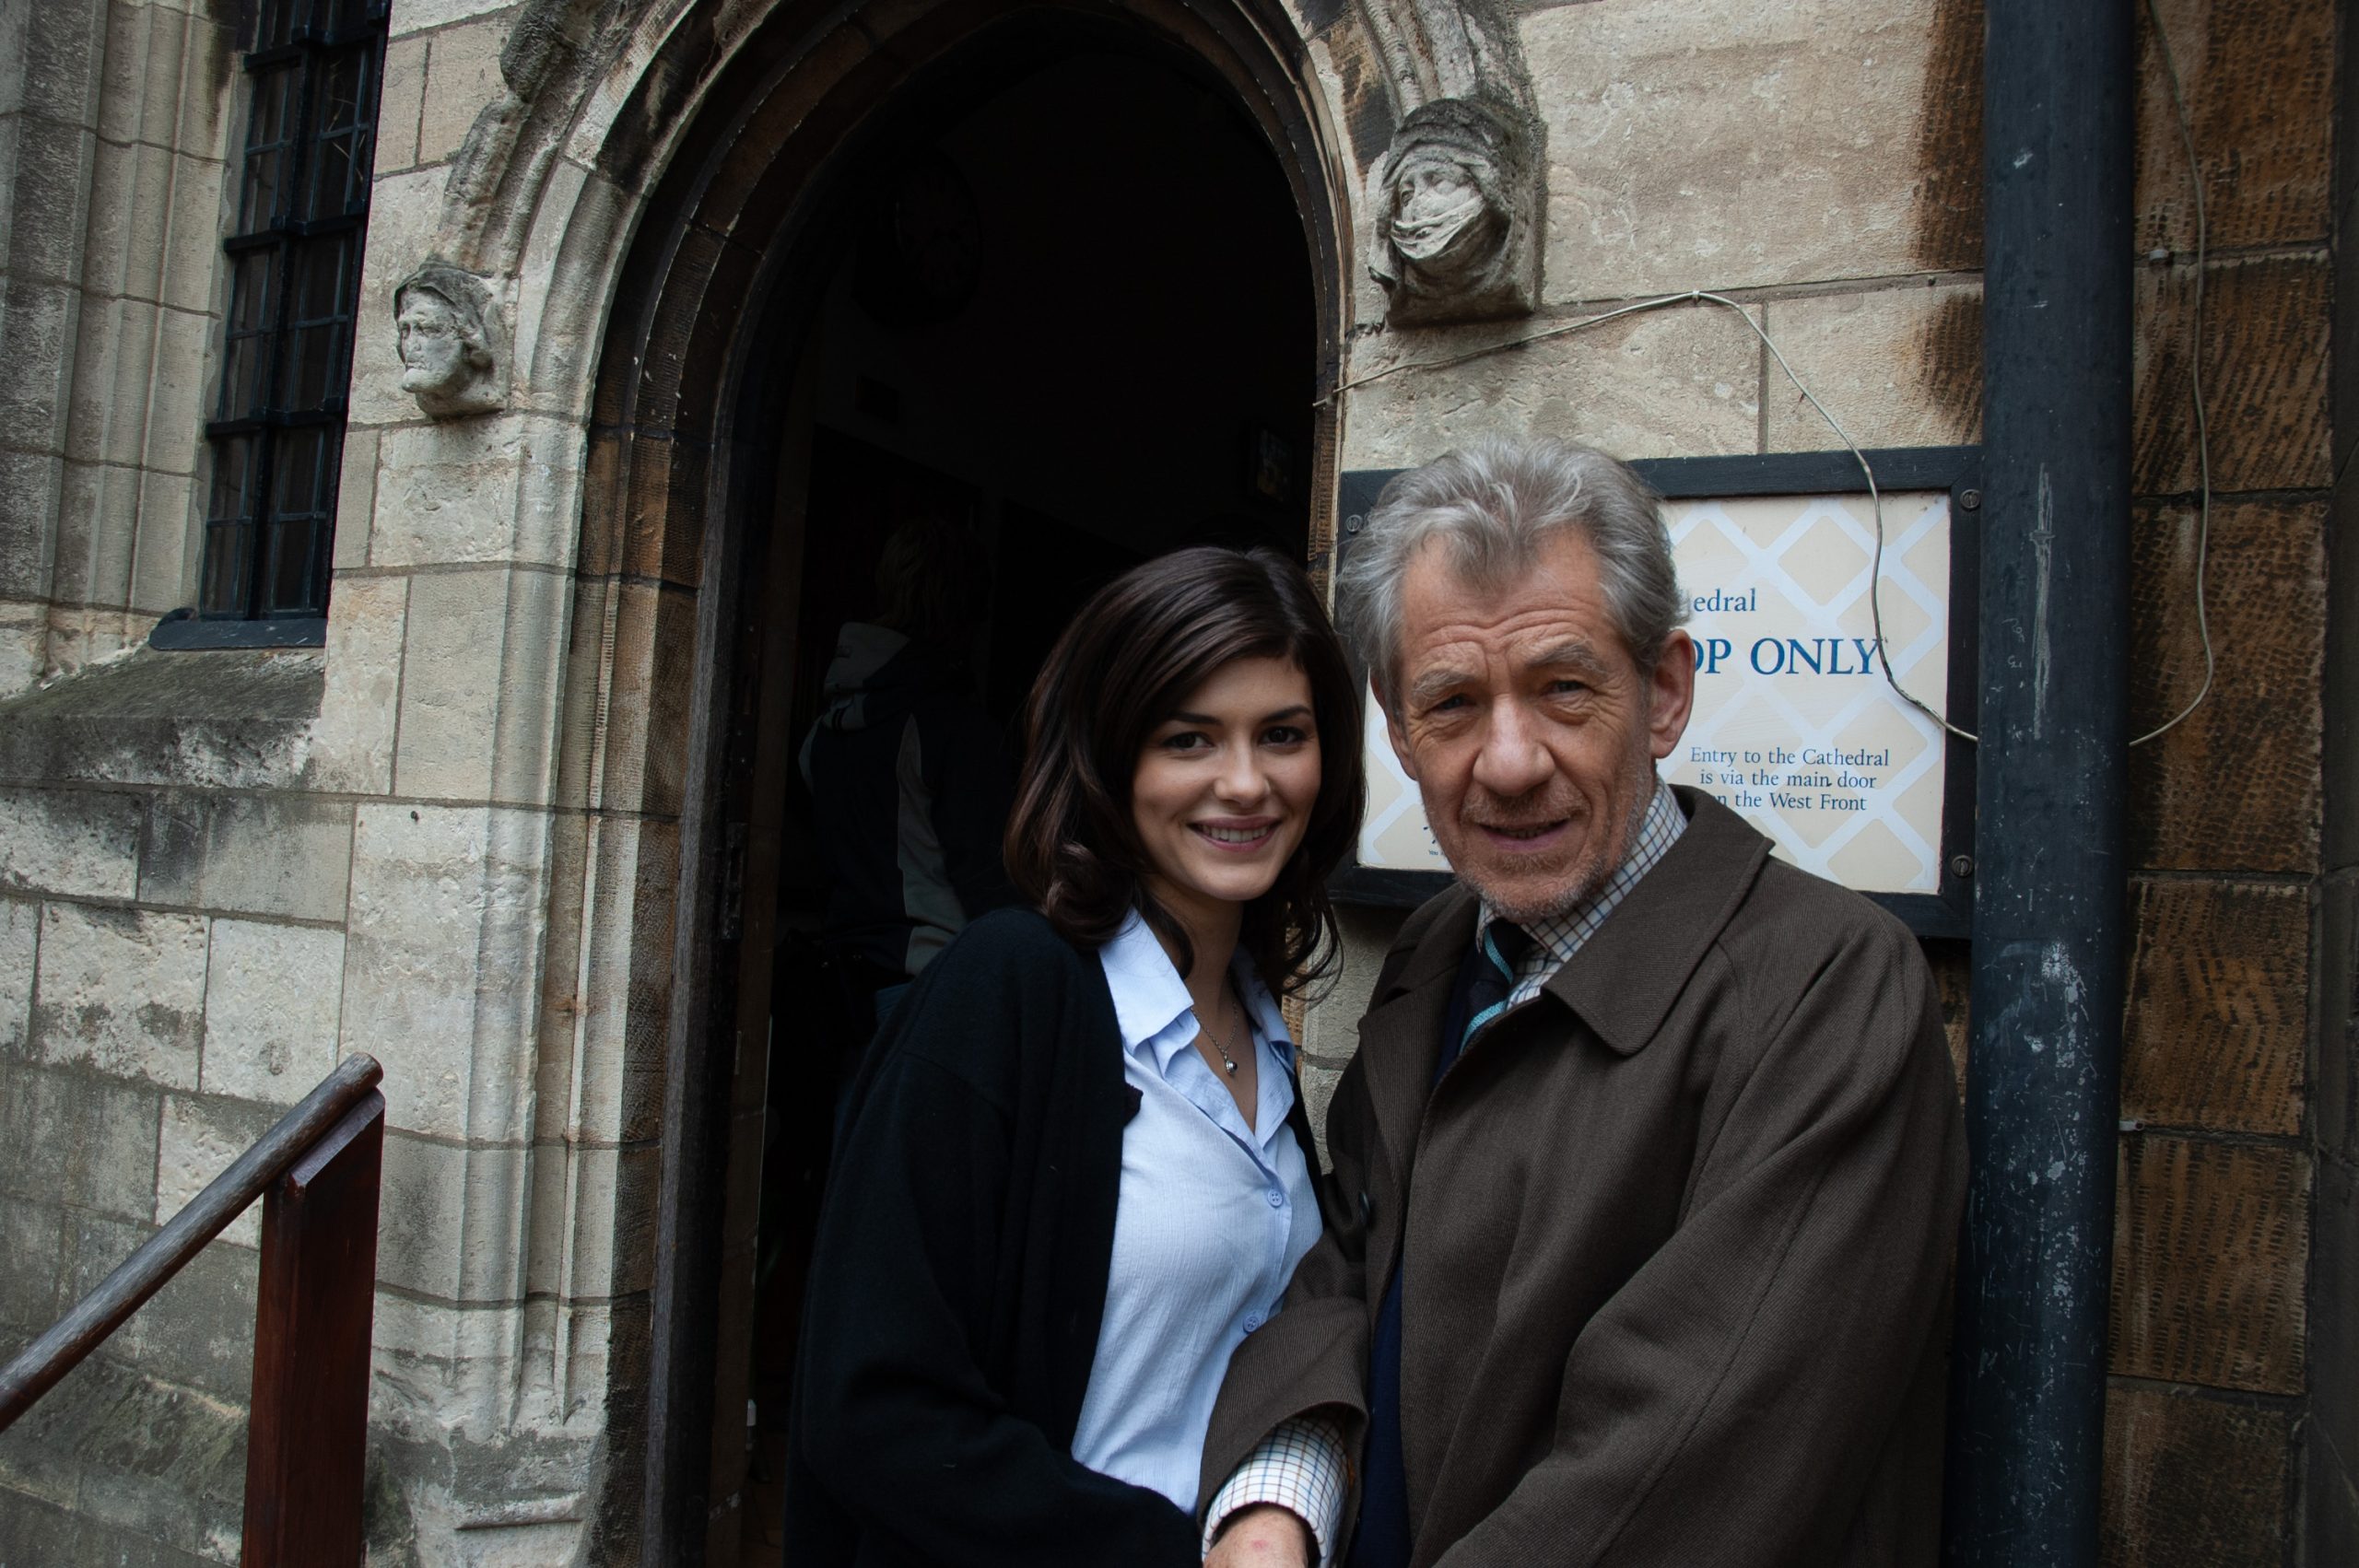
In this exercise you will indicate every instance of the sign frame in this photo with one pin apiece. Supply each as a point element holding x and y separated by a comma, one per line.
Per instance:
<point>1948,913</point>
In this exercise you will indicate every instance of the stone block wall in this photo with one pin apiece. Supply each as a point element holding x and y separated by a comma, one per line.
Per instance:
<point>114,125</point>
<point>174,959</point>
<point>196,921</point>
<point>1820,164</point>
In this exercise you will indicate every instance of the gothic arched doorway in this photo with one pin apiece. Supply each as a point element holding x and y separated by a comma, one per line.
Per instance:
<point>1070,276</point>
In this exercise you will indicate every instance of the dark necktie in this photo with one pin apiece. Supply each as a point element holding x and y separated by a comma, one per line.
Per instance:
<point>1484,981</point>
<point>1504,946</point>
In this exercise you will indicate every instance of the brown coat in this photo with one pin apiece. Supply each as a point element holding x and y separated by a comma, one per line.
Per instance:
<point>1678,1245</point>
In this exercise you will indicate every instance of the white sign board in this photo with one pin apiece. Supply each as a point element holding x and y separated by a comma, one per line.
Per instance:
<point>1794,726</point>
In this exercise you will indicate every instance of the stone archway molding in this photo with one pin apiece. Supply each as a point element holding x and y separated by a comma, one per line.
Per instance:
<point>556,55</point>
<point>1452,217</point>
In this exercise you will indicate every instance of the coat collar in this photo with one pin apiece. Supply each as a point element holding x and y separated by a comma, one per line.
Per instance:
<point>1626,979</point>
<point>1153,1009</point>
<point>1623,982</point>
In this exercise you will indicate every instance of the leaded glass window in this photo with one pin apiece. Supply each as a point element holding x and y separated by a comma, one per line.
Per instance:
<point>294,266</point>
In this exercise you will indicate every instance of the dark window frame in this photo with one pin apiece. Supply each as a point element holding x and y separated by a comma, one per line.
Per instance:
<point>314,70</point>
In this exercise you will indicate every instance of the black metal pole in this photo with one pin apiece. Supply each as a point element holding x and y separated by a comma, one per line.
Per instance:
<point>2028,1413</point>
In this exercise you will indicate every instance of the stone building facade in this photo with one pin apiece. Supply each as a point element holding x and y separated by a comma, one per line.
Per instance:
<point>510,817</point>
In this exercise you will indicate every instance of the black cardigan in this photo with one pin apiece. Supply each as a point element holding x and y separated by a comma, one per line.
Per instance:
<point>960,1275</point>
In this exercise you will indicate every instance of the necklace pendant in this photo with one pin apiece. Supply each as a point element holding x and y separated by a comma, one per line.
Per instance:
<point>1204,1029</point>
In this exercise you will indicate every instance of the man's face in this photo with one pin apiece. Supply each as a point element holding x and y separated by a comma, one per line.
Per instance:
<point>1528,725</point>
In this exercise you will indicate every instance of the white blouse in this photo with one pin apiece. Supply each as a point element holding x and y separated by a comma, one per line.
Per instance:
<point>1212,1216</point>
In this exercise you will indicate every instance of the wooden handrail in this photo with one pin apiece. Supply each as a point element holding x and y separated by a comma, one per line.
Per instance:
<point>161,1256</point>
<point>319,1173</point>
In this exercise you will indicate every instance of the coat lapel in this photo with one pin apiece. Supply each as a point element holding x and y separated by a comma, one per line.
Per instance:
<point>1400,1043</point>
<point>1626,979</point>
<point>1623,982</point>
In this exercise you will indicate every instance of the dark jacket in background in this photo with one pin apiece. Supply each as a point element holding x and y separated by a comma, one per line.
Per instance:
<point>910,790</point>
<point>960,1276</point>
<point>1677,1249</point>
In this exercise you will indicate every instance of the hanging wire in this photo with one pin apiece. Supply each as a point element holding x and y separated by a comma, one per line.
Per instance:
<point>2194,378</point>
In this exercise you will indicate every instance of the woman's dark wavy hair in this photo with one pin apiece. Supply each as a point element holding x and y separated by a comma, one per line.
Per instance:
<point>1138,648</point>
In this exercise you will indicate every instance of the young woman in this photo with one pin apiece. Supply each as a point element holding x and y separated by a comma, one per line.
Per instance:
<point>1076,1171</point>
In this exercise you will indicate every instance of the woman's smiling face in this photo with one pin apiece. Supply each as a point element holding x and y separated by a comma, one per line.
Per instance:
<point>1225,786</point>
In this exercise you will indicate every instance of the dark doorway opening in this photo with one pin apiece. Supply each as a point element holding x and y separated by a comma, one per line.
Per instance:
<point>1067,304</point>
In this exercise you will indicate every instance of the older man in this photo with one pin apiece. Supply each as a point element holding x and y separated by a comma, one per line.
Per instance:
<point>1650,1155</point>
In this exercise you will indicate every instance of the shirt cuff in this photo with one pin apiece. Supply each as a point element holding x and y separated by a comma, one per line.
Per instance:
<point>1301,1467</point>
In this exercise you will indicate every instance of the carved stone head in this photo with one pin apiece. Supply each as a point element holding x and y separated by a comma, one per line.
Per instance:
<point>447,324</point>
<point>1455,209</point>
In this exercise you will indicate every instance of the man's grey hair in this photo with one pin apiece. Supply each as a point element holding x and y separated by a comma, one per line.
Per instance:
<point>1491,506</point>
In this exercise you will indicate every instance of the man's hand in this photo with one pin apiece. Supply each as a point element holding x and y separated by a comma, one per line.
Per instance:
<point>1264,1536</point>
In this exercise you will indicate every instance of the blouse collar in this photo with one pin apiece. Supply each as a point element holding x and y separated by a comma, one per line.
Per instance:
<point>1150,996</point>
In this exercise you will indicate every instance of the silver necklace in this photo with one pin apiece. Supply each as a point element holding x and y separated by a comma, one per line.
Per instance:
<point>1226,1060</point>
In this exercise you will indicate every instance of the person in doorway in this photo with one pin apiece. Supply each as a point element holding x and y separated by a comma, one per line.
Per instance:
<point>1651,1154</point>
<point>1076,1171</point>
<point>910,783</point>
